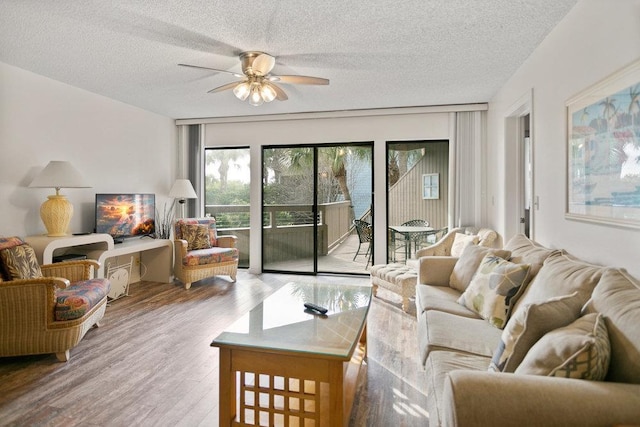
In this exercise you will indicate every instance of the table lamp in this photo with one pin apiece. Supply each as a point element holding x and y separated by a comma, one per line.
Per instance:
<point>182,190</point>
<point>56,212</point>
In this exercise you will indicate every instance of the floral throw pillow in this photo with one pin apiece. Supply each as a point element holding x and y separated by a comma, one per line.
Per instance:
<point>20,262</point>
<point>197,236</point>
<point>580,350</point>
<point>494,288</point>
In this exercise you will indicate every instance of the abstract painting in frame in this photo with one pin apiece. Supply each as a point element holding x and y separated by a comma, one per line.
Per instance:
<point>603,133</point>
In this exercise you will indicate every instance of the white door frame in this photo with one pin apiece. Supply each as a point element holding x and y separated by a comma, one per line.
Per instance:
<point>514,165</point>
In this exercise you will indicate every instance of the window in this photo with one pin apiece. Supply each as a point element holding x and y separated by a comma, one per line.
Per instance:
<point>431,186</point>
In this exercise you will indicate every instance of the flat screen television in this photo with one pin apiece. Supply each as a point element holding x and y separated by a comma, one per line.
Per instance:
<point>125,215</point>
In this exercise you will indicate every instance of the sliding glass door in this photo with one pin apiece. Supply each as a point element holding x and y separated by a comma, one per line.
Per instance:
<point>417,195</point>
<point>311,196</point>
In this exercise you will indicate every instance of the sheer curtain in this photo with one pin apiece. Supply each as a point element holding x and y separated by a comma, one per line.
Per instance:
<point>470,179</point>
<point>190,154</point>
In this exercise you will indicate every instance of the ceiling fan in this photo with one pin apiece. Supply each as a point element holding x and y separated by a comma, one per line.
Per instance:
<point>257,84</point>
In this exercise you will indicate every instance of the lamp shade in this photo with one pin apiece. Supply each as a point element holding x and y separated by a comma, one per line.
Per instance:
<point>59,174</point>
<point>182,189</point>
<point>56,212</point>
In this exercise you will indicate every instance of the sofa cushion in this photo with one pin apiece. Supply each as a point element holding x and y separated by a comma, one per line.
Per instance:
<point>562,275</point>
<point>446,331</point>
<point>78,299</point>
<point>437,368</point>
<point>196,235</point>
<point>213,255</point>
<point>468,263</point>
<point>528,324</point>
<point>579,350</point>
<point>617,297</point>
<point>493,288</point>
<point>20,262</point>
<point>461,241</point>
<point>526,251</point>
<point>441,298</point>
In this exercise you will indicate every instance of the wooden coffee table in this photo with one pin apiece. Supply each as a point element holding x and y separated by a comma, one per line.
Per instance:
<point>282,365</point>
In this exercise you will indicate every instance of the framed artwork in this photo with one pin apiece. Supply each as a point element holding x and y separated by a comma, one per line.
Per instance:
<point>431,186</point>
<point>603,143</point>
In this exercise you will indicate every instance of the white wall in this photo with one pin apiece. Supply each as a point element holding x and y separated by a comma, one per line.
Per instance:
<point>595,39</point>
<point>117,147</point>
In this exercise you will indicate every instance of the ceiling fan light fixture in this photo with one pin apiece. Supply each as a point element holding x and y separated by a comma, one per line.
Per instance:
<point>267,92</point>
<point>242,90</point>
<point>255,98</point>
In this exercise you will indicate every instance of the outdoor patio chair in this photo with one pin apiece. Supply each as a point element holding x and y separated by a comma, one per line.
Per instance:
<point>365,235</point>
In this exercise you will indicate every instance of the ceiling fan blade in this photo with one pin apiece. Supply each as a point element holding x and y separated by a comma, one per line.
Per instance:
<point>262,64</point>
<point>212,69</point>
<point>300,80</point>
<point>224,87</point>
<point>280,94</point>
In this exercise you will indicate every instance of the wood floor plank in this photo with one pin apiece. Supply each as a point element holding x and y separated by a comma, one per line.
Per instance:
<point>150,363</point>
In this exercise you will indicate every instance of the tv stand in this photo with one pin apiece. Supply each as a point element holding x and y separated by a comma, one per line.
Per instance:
<point>155,254</point>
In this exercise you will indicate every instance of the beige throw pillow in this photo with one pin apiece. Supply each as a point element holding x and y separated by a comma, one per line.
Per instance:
<point>528,324</point>
<point>562,275</point>
<point>579,350</point>
<point>461,241</point>
<point>494,287</point>
<point>468,263</point>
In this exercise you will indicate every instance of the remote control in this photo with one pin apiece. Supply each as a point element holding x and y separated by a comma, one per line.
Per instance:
<point>314,307</point>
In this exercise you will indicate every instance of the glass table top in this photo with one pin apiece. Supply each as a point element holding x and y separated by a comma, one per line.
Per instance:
<point>281,322</point>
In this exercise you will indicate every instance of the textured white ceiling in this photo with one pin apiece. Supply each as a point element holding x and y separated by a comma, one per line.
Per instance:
<point>377,54</point>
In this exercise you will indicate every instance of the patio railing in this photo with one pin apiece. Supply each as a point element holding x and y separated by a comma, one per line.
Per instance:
<point>289,227</point>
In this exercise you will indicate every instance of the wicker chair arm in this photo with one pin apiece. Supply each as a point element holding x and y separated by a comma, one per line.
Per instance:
<point>227,241</point>
<point>75,271</point>
<point>180,246</point>
<point>54,282</point>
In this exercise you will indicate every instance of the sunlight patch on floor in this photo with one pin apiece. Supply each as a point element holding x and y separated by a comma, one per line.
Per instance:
<point>403,406</point>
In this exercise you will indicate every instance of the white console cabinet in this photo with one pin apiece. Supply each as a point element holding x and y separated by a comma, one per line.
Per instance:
<point>155,254</point>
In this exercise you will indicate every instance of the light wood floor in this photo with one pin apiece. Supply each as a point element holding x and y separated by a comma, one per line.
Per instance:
<point>150,363</point>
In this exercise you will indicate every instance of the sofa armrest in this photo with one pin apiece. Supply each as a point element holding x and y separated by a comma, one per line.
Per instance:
<point>442,247</point>
<point>474,398</point>
<point>227,241</point>
<point>435,270</point>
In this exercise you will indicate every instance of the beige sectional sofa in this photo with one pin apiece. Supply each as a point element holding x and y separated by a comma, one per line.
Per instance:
<point>564,319</point>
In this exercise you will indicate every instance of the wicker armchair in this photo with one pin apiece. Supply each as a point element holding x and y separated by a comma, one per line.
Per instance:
<point>200,253</point>
<point>29,309</point>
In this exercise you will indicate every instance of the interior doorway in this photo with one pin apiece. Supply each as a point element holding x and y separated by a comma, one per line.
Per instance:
<point>520,200</point>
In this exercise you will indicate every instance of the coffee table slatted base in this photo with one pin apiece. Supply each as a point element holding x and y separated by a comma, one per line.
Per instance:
<point>277,389</point>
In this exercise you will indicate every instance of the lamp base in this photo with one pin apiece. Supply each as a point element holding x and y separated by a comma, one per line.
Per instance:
<point>56,215</point>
